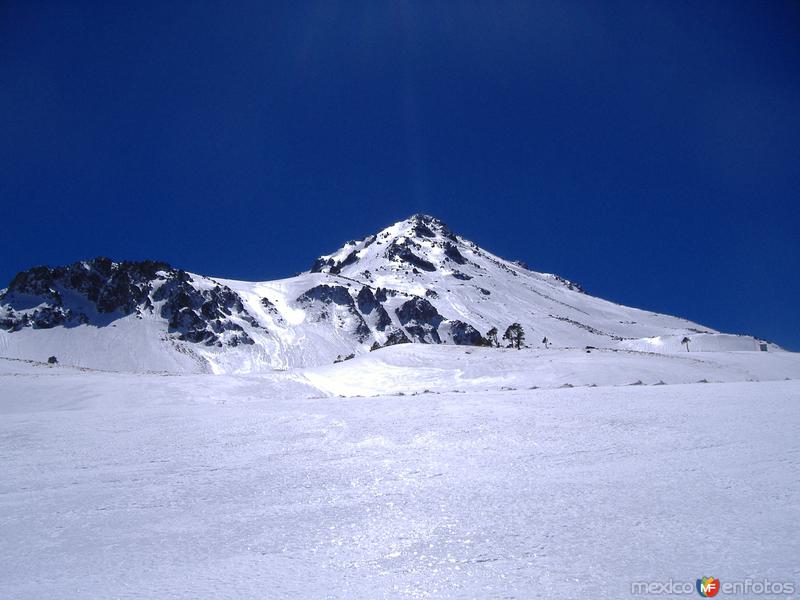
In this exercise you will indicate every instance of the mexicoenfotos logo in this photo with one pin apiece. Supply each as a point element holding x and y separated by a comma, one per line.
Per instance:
<point>708,587</point>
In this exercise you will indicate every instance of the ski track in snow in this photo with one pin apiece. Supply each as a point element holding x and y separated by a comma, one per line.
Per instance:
<point>201,486</point>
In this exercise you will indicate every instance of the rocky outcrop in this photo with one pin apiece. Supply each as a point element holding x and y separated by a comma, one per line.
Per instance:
<point>398,336</point>
<point>202,315</point>
<point>99,291</point>
<point>369,306</point>
<point>421,320</point>
<point>328,264</point>
<point>108,286</point>
<point>451,252</point>
<point>464,334</point>
<point>402,252</point>
<point>428,226</point>
<point>326,295</point>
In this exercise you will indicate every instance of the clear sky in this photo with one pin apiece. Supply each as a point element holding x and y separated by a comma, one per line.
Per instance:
<point>648,150</point>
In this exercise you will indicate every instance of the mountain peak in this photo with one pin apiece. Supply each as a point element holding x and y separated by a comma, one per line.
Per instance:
<point>408,242</point>
<point>427,220</point>
<point>422,225</point>
<point>414,281</point>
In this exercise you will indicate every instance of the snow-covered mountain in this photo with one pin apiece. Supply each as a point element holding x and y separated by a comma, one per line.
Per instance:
<point>415,281</point>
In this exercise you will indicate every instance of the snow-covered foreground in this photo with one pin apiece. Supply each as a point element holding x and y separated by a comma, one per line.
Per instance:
<point>192,486</point>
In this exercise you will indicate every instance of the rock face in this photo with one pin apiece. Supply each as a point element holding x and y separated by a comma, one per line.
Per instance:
<point>334,302</point>
<point>403,252</point>
<point>330,265</point>
<point>99,291</point>
<point>451,252</point>
<point>465,334</point>
<point>371,308</point>
<point>327,294</point>
<point>397,337</point>
<point>202,315</point>
<point>58,295</point>
<point>421,320</point>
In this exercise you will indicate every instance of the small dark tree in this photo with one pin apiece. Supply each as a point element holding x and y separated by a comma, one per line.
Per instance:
<point>491,337</point>
<point>685,341</point>
<point>545,341</point>
<point>52,360</point>
<point>515,335</point>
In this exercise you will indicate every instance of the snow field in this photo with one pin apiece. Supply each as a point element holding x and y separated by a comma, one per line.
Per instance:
<point>192,486</point>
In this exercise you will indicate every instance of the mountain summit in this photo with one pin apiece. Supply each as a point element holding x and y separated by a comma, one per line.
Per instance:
<point>402,243</point>
<point>419,254</point>
<point>415,281</point>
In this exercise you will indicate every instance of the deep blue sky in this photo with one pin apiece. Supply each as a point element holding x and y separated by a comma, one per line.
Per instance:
<point>648,150</point>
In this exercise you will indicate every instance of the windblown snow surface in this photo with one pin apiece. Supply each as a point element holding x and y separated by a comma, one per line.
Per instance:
<point>469,485</point>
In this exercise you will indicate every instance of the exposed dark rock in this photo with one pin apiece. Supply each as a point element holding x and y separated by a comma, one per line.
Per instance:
<point>421,229</point>
<point>329,265</point>
<point>269,306</point>
<point>109,286</point>
<point>420,310</point>
<point>188,324</point>
<point>465,334</point>
<point>461,276</point>
<point>48,317</point>
<point>366,300</point>
<point>321,264</point>
<point>382,294</point>
<point>348,260</point>
<point>451,252</point>
<point>368,303</point>
<point>241,338</point>
<point>570,284</point>
<point>339,295</point>
<point>37,281</point>
<point>327,294</point>
<point>104,287</point>
<point>272,310</point>
<point>500,264</point>
<point>201,315</point>
<point>401,251</point>
<point>421,320</point>
<point>398,336</point>
<point>428,226</point>
<point>423,334</point>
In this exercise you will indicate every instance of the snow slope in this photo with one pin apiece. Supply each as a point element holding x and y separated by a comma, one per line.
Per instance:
<point>410,369</point>
<point>415,281</point>
<point>195,486</point>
